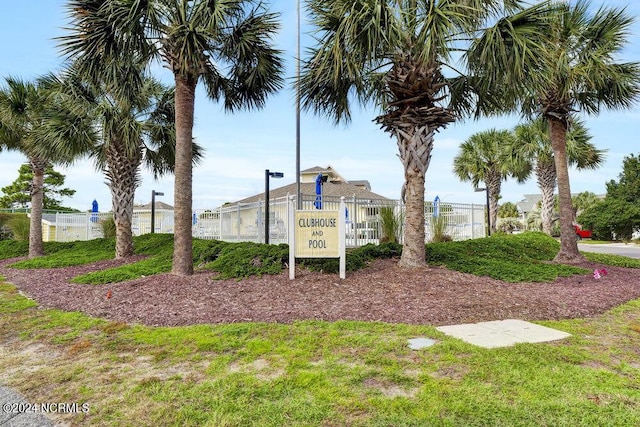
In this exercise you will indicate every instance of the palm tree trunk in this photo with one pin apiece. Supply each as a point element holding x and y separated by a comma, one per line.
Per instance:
<point>546,178</point>
<point>415,145</point>
<point>183,240</point>
<point>494,184</point>
<point>36,246</point>
<point>123,179</point>
<point>568,244</point>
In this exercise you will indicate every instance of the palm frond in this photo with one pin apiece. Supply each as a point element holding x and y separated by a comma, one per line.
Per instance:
<point>354,41</point>
<point>506,55</point>
<point>255,69</point>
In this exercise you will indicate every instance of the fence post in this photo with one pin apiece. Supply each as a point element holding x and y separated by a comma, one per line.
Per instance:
<point>291,239</point>
<point>355,221</point>
<point>287,225</point>
<point>342,238</point>
<point>86,229</point>
<point>259,223</point>
<point>473,221</point>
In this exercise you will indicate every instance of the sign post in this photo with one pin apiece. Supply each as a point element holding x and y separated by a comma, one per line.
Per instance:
<point>317,234</point>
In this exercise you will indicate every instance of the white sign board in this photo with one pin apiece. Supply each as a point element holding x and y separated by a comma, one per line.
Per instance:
<point>317,234</point>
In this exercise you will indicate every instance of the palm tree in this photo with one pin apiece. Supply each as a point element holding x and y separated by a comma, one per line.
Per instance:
<point>226,44</point>
<point>508,210</point>
<point>584,200</point>
<point>136,127</point>
<point>576,70</point>
<point>532,142</point>
<point>395,54</point>
<point>488,157</point>
<point>26,110</point>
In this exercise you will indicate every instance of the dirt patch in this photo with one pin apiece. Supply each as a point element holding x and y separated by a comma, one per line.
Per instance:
<point>380,292</point>
<point>389,389</point>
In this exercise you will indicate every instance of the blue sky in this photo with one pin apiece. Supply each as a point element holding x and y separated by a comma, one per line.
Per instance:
<point>240,147</point>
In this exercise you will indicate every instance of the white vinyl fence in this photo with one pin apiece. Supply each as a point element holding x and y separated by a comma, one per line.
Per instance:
<point>79,226</point>
<point>245,221</point>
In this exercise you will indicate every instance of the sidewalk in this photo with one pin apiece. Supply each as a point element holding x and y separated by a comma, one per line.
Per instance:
<point>623,249</point>
<point>12,414</point>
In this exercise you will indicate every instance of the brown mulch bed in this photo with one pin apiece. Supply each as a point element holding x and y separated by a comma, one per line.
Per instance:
<point>380,292</point>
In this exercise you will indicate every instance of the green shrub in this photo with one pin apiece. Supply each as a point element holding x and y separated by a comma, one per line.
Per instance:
<point>13,249</point>
<point>159,248</point>
<point>356,258</point>
<point>108,228</point>
<point>611,219</point>
<point>153,244</point>
<point>5,231</point>
<point>390,224</point>
<point>610,259</point>
<point>65,254</point>
<point>207,251</point>
<point>19,226</point>
<point>509,225</point>
<point>438,228</point>
<point>247,259</point>
<point>512,258</point>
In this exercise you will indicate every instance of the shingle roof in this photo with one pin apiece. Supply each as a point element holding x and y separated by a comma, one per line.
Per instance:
<point>529,203</point>
<point>159,205</point>
<point>336,189</point>
<point>361,183</point>
<point>50,218</point>
<point>314,169</point>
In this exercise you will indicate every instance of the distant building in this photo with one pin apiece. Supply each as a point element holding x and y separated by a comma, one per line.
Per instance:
<point>531,203</point>
<point>363,205</point>
<point>84,226</point>
<point>335,186</point>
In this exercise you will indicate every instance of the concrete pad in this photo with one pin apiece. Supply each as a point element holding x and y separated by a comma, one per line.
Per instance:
<point>418,343</point>
<point>502,333</point>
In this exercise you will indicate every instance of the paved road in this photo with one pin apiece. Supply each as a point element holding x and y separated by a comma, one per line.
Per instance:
<point>629,250</point>
<point>12,411</point>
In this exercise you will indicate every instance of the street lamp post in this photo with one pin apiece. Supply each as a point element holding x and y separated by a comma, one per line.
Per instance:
<point>486,190</point>
<point>268,175</point>
<point>298,194</point>
<point>154,193</point>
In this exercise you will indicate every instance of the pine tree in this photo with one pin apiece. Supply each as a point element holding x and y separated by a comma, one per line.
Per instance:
<point>18,193</point>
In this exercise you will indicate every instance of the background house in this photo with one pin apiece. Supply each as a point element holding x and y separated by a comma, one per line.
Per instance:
<point>335,186</point>
<point>529,209</point>
<point>141,221</point>
<point>363,205</point>
<point>48,227</point>
<point>70,226</point>
<point>243,220</point>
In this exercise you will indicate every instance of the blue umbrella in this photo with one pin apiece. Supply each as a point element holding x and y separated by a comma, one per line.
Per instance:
<point>318,202</point>
<point>94,211</point>
<point>436,207</point>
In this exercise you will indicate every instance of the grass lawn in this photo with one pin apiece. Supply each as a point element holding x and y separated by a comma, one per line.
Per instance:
<point>318,373</point>
<point>315,373</point>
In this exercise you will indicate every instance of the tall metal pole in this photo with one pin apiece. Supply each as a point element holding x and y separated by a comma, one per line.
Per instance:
<point>298,195</point>
<point>266,206</point>
<point>153,211</point>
